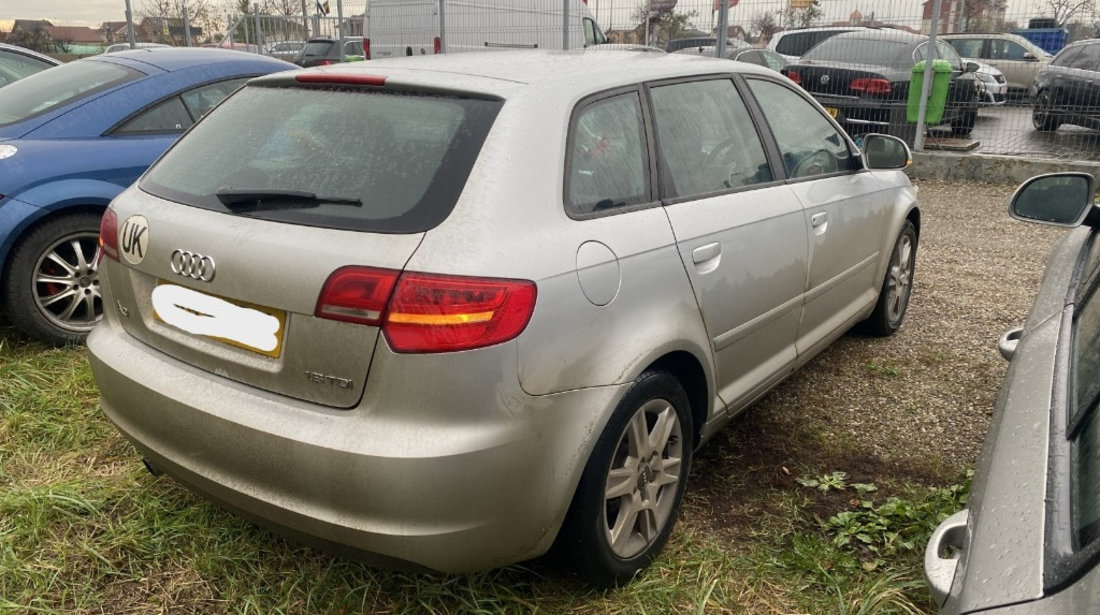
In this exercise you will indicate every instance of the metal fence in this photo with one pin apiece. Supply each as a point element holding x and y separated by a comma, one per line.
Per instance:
<point>1001,52</point>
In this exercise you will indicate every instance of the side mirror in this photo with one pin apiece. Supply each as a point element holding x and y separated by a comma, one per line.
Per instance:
<point>972,67</point>
<point>1030,57</point>
<point>883,152</point>
<point>1058,199</point>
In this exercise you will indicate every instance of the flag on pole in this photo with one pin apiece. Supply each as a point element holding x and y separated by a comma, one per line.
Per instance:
<point>718,3</point>
<point>322,7</point>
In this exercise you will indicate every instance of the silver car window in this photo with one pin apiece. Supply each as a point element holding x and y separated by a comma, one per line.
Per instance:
<point>1086,397</point>
<point>384,162</point>
<point>809,143</point>
<point>706,139</point>
<point>608,165</point>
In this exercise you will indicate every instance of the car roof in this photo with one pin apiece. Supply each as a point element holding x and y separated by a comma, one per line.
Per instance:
<point>500,74</point>
<point>885,34</point>
<point>170,59</point>
<point>23,51</point>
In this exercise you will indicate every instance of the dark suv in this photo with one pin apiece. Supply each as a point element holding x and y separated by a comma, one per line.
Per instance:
<point>319,52</point>
<point>1067,91</point>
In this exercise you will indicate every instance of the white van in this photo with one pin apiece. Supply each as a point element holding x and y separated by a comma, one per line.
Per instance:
<point>396,28</point>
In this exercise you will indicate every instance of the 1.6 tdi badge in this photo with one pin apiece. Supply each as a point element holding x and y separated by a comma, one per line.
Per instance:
<point>133,239</point>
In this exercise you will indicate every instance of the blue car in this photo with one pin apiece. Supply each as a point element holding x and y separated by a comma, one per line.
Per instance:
<point>71,138</point>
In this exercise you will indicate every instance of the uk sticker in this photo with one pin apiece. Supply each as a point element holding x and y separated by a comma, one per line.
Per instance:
<point>133,239</point>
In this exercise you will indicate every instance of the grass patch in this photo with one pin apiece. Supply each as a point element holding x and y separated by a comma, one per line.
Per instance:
<point>84,529</point>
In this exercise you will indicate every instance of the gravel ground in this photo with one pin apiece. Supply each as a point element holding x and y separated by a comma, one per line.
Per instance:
<point>913,407</point>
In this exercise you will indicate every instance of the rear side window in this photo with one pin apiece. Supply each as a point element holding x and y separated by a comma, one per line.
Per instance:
<point>317,49</point>
<point>50,89</point>
<point>22,65</point>
<point>375,161</point>
<point>707,140</point>
<point>608,163</point>
<point>968,47</point>
<point>795,44</point>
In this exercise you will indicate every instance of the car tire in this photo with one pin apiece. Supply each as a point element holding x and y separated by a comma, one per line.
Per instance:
<point>45,299</point>
<point>897,285</point>
<point>963,126</point>
<point>1041,117</point>
<point>631,489</point>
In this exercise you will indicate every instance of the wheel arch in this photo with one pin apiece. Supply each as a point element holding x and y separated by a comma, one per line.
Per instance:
<point>43,216</point>
<point>688,370</point>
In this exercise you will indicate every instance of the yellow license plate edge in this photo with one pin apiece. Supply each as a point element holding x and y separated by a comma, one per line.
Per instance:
<point>279,315</point>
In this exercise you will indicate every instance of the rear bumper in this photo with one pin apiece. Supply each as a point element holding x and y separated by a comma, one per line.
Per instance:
<point>438,479</point>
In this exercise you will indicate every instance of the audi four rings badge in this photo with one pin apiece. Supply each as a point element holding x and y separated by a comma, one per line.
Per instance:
<point>133,238</point>
<point>192,265</point>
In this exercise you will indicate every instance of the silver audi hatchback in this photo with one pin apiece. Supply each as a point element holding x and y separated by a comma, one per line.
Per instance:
<point>447,312</point>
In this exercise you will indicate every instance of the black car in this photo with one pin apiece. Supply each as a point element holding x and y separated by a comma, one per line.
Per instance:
<point>701,41</point>
<point>862,79</point>
<point>319,52</point>
<point>1067,91</point>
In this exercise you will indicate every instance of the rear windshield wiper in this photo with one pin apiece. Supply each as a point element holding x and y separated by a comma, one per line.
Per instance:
<point>240,200</point>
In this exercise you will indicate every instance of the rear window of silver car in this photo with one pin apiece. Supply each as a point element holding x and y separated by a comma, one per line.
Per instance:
<point>385,162</point>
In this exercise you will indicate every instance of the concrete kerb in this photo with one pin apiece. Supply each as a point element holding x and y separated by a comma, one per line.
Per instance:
<point>990,168</point>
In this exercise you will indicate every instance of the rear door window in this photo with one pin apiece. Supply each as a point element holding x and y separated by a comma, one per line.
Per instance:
<point>608,163</point>
<point>336,158</point>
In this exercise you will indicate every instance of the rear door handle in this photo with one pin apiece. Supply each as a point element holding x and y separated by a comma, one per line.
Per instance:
<point>706,258</point>
<point>819,222</point>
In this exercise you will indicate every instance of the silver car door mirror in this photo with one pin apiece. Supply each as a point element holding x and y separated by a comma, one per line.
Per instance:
<point>1059,199</point>
<point>885,152</point>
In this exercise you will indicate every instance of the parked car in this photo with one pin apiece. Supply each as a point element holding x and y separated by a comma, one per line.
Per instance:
<point>1068,90</point>
<point>426,341</point>
<point>704,42</point>
<point>320,51</point>
<point>116,47</point>
<point>794,43</point>
<point>1027,541</point>
<point>245,47</point>
<point>18,62</point>
<point>284,50</point>
<point>753,55</point>
<point>1018,58</point>
<point>994,90</point>
<point>71,138</point>
<point>353,49</point>
<point>862,78</point>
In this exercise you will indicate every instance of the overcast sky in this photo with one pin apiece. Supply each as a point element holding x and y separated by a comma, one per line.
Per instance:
<point>610,13</point>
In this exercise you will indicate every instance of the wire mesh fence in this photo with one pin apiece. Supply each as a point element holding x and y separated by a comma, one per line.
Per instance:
<point>1016,77</point>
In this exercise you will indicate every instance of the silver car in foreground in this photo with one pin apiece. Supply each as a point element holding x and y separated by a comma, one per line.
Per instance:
<point>1029,540</point>
<point>449,311</point>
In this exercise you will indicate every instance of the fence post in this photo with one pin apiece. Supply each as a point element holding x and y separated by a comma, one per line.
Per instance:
<point>926,83</point>
<point>186,25</point>
<point>256,25</point>
<point>130,26</point>
<point>723,30</point>
<point>442,26</point>
<point>565,24</point>
<point>340,26</point>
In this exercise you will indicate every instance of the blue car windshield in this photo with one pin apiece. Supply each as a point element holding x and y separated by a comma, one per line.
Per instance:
<point>61,85</point>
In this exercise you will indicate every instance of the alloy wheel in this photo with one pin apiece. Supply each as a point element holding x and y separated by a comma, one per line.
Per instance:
<point>66,283</point>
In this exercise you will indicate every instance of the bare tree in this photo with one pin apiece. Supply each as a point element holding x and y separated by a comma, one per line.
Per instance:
<point>1064,10</point>
<point>663,24</point>
<point>764,25</point>
<point>981,15</point>
<point>200,13</point>
<point>807,17</point>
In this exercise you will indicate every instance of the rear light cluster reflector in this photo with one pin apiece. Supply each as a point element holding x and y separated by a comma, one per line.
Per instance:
<point>871,86</point>
<point>795,77</point>
<point>108,236</point>
<point>338,79</point>
<point>366,48</point>
<point>423,313</point>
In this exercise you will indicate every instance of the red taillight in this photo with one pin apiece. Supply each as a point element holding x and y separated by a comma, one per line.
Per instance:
<point>366,48</point>
<point>108,236</point>
<point>421,312</point>
<point>437,45</point>
<point>341,79</point>
<point>356,294</point>
<point>795,77</point>
<point>871,86</point>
